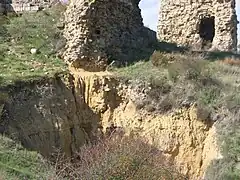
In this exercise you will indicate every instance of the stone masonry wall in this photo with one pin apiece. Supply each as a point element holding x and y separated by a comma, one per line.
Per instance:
<point>179,22</point>
<point>100,31</point>
<point>23,5</point>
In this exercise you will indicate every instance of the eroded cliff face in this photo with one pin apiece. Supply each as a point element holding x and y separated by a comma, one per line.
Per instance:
<point>187,140</point>
<point>49,115</point>
<point>66,112</point>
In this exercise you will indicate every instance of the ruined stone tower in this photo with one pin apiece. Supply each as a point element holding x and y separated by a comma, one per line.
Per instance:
<point>200,24</point>
<point>99,32</point>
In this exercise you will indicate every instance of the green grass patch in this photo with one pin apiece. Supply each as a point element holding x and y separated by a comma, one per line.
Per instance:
<point>17,163</point>
<point>210,83</point>
<point>144,71</point>
<point>18,35</point>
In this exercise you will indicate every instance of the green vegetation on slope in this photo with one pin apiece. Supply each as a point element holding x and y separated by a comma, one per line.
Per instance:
<point>182,76</point>
<point>18,35</point>
<point>178,80</point>
<point>17,163</point>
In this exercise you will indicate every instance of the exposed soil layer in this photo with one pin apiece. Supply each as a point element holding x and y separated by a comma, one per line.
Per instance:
<point>67,111</point>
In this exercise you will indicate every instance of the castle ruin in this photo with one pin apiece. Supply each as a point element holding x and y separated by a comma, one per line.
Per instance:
<point>100,31</point>
<point>200,24</point>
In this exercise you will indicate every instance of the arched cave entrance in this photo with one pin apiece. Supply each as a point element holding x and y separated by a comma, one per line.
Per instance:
<point>207,30</point>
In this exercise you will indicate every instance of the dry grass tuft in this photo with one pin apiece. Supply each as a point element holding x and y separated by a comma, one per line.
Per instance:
<point>231,61</point>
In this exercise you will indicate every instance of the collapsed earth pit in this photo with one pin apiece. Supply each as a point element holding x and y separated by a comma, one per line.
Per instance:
<point>68,111</point>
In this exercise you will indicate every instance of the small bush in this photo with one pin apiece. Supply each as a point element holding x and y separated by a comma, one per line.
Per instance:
<point>209,95</point>
<point>118,158</point>
<point>187,68</point>
<point>232,102</point>
<point>160,59</point>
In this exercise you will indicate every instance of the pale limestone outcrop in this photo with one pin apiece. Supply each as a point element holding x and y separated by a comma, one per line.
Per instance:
<point>180,21</point>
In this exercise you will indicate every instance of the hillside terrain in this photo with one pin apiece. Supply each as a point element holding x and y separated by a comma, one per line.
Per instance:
<point>18,35</point>
<point>185,104</point>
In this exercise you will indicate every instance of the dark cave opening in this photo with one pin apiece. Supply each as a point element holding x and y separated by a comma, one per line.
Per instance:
<point>207,30</point>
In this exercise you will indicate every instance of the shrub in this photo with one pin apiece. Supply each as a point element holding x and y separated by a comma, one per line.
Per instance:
<point>160,59</point>
<point>187,68</point>
<point>208,95</point>
<point>118,158</point>
<point>232,102</point>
